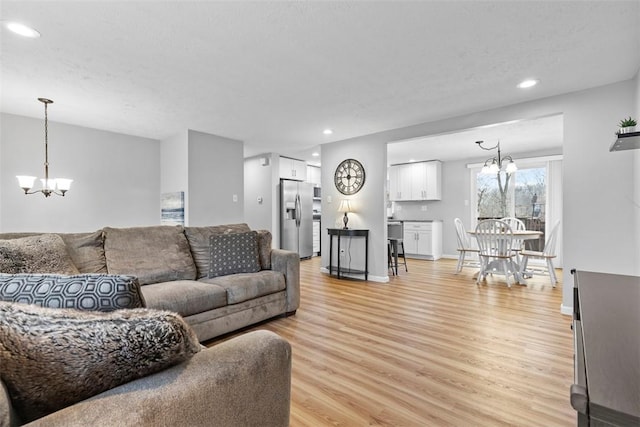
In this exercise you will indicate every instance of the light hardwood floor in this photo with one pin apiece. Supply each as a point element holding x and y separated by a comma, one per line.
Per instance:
<point>429,348</point>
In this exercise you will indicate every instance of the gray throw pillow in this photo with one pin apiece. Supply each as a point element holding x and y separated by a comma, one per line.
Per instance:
<point>198,238</point>
<point>264,248</point>
<point>53,358</point>
<point>234,253</point>
<point>44,253</point>
<point>86,251</point>
<point>100,292</point>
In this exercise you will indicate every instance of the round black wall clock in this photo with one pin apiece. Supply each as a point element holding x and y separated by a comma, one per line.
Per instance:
<point>349,177</point>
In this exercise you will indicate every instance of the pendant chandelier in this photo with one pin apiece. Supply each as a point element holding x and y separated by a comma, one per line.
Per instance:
<point>494,165</point>
<point>50,186</point>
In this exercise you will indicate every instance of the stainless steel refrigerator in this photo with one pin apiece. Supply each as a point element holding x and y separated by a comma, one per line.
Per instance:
<point>296,217</point>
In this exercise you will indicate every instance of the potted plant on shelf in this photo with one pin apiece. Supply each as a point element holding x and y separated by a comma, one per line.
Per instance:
<point>627,125</point>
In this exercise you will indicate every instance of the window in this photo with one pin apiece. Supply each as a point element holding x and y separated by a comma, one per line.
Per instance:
<point>532,194</point>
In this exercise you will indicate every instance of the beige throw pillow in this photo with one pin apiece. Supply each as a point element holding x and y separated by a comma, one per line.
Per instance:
<point>152,254</point>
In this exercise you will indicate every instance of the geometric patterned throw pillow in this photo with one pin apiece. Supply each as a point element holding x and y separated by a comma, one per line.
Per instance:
<point>97,292</point>
<point>233,253</point>
<point>53,358</point>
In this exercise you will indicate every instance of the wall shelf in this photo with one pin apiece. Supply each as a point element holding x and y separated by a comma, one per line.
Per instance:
<point>626,141</point>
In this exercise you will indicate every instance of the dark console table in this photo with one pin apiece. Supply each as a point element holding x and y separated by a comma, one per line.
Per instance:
<point>606,325</point>
<point>339,232</point>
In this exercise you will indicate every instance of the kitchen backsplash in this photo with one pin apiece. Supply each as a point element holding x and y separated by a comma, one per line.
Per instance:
<point>411,210</point>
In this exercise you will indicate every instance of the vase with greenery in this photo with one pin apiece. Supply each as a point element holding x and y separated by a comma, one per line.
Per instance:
<point>627,125</point>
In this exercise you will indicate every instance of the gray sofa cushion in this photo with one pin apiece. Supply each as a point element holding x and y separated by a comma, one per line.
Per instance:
<point>198,238</point>
<point>153,254</point>
<point>52,358</point>
<point>100,292</point>
<point>186,297</point>
<point>246,286</point>
<point>44,253</point>
<point>86,251</point>
<point>234,253</point>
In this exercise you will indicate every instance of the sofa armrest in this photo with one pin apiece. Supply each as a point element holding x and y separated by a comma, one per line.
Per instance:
<point>245,381</point>
<point>288,262</point>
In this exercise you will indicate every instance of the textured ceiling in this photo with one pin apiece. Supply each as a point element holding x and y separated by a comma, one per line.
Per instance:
<point>274,74</point>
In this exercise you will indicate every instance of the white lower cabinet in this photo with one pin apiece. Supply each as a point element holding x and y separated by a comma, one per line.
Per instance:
<point>423,240</point>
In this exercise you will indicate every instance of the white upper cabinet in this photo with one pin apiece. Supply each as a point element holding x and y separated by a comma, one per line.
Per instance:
<point>313,175</point>
<point>399,182</point>
<point>293,169</point>
<point>415,181</point>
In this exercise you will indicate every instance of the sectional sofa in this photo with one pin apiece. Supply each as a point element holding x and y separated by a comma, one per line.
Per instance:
<point>247,282</point>
<point>218,279</point>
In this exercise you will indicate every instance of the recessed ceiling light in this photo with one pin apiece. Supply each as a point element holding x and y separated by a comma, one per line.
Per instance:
<point>528,83</point>
<point>22,30</point>
<point>315,154</point>
<point>412,160</point>
<point>327,131</point>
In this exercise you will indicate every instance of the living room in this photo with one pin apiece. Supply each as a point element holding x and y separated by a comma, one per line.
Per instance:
<point>120,174</point>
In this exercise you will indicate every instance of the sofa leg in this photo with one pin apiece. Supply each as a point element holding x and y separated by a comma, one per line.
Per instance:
<point>290,313</point>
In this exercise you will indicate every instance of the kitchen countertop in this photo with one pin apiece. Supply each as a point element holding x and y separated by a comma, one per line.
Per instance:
<point>413,220</point>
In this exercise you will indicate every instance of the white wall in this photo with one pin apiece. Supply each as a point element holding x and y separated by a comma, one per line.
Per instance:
<point>258,179</point>
<point>174,167</point>
<point>636,168</point>
<point>216,175</point>
<point>598,186</point>
<point>116,177</point>
<point>368,204</point>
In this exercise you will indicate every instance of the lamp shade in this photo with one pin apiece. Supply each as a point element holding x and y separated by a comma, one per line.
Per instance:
<point>26,182</point>
<point>345,206</point>
<point>63,184</point>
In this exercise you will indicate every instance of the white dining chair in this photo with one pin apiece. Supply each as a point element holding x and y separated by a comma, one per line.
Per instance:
<point>465,246</point>
<point>495,244</point>
<point>547,254</point>
<point>516,225</point>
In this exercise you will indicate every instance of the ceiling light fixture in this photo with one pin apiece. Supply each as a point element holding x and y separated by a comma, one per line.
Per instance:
<point>327,131</point>
<point>528,83</point>
<point>22,30</point>
<point>494,165</point>
<point>315,154</point>
<point>57,186</point>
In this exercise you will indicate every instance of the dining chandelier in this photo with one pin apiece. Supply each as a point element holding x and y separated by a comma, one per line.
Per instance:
<point>494,165</point>
<point>50,186</point>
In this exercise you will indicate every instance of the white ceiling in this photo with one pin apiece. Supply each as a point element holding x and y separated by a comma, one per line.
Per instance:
<point>544,134</point>
<point>274,74</point>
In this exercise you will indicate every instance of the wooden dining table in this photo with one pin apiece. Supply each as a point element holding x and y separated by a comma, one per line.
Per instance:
<point>515,235</point>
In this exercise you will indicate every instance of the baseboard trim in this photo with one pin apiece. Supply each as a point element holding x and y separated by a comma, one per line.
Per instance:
<point>566,310</point>
<point>380,279</point>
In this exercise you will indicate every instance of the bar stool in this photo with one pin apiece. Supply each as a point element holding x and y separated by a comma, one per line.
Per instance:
<point>395,250</point>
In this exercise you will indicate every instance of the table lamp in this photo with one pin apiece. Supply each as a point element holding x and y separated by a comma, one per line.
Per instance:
<point>345,206</point>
